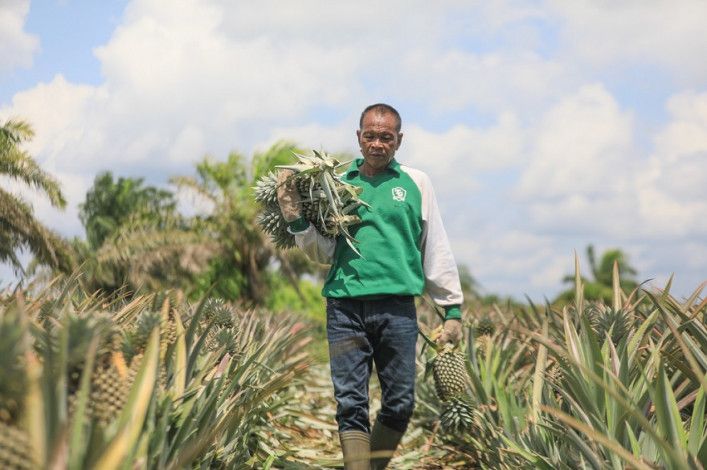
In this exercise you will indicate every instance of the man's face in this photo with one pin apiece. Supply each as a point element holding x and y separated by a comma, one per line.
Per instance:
<point>379,140</point>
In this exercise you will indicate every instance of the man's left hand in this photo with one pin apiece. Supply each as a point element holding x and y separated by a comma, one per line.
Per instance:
<point>452,332</point>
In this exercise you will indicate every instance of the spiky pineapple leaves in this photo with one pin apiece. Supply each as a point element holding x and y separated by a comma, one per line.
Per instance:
<point>327,201</point>
<point>130,421</point>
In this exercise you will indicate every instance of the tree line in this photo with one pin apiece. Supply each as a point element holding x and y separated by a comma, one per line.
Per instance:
<point>136,239</point>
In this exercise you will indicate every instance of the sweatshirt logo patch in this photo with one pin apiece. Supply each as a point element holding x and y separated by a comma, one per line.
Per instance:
<point>399,194</point>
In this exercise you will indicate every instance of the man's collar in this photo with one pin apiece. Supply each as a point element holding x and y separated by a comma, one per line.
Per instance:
<point>353,170</point>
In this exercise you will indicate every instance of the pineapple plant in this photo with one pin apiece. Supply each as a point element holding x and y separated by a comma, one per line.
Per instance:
<point>222,329</point>
<point>327,201</point>
<point>15,448</point>
<point>484,326</point>
<point>606,320</point>
<point>483,331</point>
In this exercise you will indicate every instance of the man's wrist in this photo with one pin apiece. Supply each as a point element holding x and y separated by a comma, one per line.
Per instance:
<point>453,312</point>
<point>298,225</point>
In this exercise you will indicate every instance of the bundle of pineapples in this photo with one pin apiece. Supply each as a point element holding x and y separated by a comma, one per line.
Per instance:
<point>327,201</point>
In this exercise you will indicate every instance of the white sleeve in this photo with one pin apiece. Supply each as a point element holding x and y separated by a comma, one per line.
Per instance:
<point>441,273</point>
<point>317,247</point>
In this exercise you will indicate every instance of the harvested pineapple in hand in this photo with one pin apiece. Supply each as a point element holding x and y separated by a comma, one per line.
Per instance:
<point>451,380</point>
<point>327,202</point>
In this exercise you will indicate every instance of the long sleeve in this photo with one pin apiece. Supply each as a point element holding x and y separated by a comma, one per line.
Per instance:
<point>317,247</point>
<point>441,273</point>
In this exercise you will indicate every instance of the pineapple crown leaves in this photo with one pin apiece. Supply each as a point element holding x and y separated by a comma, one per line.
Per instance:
<point>218,312</point>
<point>137,338</point>
<point>318,182</point>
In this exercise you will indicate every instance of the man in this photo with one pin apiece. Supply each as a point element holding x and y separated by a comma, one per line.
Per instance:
<point>371,315</point>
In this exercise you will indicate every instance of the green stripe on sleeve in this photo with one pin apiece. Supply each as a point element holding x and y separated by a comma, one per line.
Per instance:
<point>298,225</point>
<point>453,312</point>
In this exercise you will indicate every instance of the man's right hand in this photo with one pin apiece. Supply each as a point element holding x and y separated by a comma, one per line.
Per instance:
<point>287,196</point>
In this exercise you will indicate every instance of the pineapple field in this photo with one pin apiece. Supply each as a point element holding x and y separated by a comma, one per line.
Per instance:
<point>157,381</point>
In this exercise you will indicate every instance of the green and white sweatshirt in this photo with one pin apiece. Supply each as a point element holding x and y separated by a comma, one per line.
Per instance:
<point>402,241</point>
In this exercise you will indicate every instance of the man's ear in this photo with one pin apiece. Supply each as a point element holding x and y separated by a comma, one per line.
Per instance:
<point>358,135</point>
<point>400,140</point>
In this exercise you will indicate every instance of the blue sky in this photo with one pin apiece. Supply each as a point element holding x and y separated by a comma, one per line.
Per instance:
<point>544,125</point>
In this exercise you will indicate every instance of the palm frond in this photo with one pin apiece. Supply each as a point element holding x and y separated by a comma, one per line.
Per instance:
<point>18,164</point>
<point>20,229</point>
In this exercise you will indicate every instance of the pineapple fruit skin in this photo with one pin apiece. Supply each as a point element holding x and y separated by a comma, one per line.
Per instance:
<point>15,450</point>
<point>451,380</point>
<point>450,376</point>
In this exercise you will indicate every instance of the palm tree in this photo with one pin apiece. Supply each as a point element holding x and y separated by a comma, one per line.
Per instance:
<point>135,238</point>
<point>239,268</point>
<point>18,227</point>
<point>109,204</point>
<point>600,286</point>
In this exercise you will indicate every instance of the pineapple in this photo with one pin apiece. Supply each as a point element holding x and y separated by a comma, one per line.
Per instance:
<point>15,450</point>
<point>485,327</point>
<point>219,338</point>
<point>109,381</point>
<point>266,189</point>
<point>217,312</point>
<point>108,391</point>
<point>450,380</point>
<point>13,379</point>
<point>224,330</point>
<point>616,323</point>
<point>327,202</point>
<point>449,372</point>
<point>272,222</point>
<point>146,322</point>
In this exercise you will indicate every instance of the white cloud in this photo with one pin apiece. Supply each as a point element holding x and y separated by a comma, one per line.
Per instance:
<point>555,163</point>
<point>453,80</point>
<point>456,158</point>
<point>672,188</point>
<point>335,138</point>
<point>582,147</point>
<point>585,174</point>
<point>17,47</point>
<point>513,260</point>
<point>664,33</point>
<point>65,117</point>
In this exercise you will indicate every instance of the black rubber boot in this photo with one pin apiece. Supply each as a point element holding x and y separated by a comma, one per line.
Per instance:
<point>356,448</point>
<point>384,441</point>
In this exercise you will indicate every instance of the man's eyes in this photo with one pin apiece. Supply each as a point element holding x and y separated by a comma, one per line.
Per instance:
<point>386,138</point>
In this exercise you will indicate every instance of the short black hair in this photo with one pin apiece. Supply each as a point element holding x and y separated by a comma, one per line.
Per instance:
<point>382,108</point>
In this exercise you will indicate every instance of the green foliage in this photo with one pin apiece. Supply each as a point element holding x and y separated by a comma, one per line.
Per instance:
<point>110,204</point>
<point>135,238</point>
<point>178,403</point>
<point>18,227</point>
<point>304,298</point>
<point>589,385</point>
<point>242,254</point>
<point>600,286</point>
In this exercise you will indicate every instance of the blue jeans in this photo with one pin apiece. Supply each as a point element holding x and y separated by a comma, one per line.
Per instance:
<point>361,332</point>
